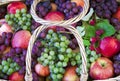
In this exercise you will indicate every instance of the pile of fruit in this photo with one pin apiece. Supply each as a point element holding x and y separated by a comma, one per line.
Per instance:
<point>55,53</point>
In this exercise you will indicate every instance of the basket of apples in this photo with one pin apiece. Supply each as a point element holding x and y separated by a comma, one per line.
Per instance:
<point>49,40</point>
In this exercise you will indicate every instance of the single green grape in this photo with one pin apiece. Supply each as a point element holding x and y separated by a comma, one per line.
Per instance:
<point>64,64</point>
<point>46,50</point>
<point>28,15</point>
<point>69,50</point>
<point>23,10</point>
<point>56,44</point>
<point>48,36</point>
<point>61,70</point>
<point>49,57</point>
<point>4,63</point>
<point>59,64</point>
<point>10,71</point>
<point>62,49</point>
<point>92,59</point>
<point>54,77</point>
<point>17,15</point>
<point>10,22</point>
<point>18,11</point>
<point>73,63</point>
<point>62,44</point>
<point>5,69</point>
<point>12,15</point>
<point>50,31</point>
<point>52,53</point>
<point>7,17</point>
<point>93,53</point>
<point>45,55</point>
<point>46,61</point>
<point>63,38</point>
<point>28,24</point>
<point>56,70</point>
<point>61,57</point>
<point>66,59</point>
<point>69,55</point>
<point>59,76</point>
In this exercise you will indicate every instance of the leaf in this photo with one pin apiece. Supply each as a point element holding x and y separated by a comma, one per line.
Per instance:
<point>89,31</point>
<point>86,42</point>
<point>106,26</point>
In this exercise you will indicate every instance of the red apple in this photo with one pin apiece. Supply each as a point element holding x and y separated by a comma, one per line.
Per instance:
<point>5,28</point>
<point>13,6</point>
<point>117,14</point>
<point>78,2</point>
<point>21,39</point>
<point>70,74</point>
<point>102,69</point>
<point>42,70</point>
<point>16,77</point>
<point>109,46</point>
<point>54,16</point>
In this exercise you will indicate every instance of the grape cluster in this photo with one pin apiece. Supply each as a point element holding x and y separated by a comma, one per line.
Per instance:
<point>56,54</point>
<point>91,57</point>
<point>7,67</point>
<point>103,8</point>
<point>5,41</point>
<point>43,8</point>
<point>20,20</point>
<point>3,11</point>
<point>18,55</point>
<point>116,64</point>
<point>70,9</point>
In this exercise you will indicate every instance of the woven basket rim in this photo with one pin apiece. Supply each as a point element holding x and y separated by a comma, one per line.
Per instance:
<point>60,23</point>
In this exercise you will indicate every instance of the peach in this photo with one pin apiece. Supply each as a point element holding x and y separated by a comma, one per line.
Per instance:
<point>21,39</point>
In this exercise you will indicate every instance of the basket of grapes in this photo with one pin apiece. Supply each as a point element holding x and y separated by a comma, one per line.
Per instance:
<point>49,40</point>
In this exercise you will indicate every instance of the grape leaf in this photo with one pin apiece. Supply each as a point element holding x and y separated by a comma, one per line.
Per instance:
<point>106,26</point>
<point>89,31</point>
<point>86,42</point>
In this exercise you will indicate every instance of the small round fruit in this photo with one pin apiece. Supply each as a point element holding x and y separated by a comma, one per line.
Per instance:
<point>42,70</point>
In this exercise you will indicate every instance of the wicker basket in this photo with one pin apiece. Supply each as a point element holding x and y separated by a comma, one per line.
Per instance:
<point>66,24</point>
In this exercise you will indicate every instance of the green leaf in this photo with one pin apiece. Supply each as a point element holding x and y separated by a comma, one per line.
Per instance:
<point>86,42</point>
<point>106,26</point>
<point>89,31</point>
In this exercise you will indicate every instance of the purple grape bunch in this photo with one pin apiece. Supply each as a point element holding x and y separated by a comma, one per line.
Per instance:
<point>43,8</point>
<point>117,64</point>
<point>5,41</point>
<point>103,8</point>
<point>70,9</point>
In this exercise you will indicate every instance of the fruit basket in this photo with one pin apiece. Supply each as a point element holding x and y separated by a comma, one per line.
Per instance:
<point>56,46</point>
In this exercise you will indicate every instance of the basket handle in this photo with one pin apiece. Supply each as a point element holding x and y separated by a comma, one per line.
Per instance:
<point>84,74</point>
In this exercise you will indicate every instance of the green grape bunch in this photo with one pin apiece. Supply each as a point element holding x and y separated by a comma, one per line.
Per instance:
<point>8,67</point>
<point>20,20</point>
<point>57,55</point>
